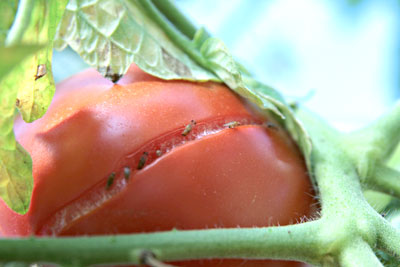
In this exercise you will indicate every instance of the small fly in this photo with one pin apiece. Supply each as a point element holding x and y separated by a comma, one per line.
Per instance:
<point>127,172</point>
<point>142,160</point>
<point>189,128</point>
<point>232,124</point>
<point>271,125</point>
<point>110,180</point>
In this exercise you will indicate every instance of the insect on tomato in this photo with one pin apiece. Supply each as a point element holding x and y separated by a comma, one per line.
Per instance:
<point>210,176</point>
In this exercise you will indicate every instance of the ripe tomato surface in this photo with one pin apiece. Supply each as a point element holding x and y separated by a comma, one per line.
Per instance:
<point>150,155</point>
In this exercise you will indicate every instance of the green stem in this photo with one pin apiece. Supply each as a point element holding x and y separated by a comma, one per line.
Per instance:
<point>173,14</point>
<point>384,179</point>
<point>358,253</point>
<point>346,214</point>
<point>388,238</point>
<point>176,36</point>
<point>21,22</point>
<point>375,143</point>
<point>333,171</point>
<point>293,242</point>
<point>385,132</point>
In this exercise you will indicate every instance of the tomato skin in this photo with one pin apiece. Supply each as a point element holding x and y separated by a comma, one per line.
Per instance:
<point>195,191</point>
<point>246,176</point>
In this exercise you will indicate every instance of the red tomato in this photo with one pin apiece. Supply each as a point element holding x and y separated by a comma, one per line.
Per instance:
<point>152,155</point>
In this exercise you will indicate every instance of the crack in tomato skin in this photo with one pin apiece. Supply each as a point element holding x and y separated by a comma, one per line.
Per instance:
<point>99,199</point>
<point>116,181</point>
<point>167,142</point>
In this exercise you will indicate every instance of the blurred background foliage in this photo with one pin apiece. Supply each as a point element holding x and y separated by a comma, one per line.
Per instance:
<point>342,58</point>
<point>8,8</point>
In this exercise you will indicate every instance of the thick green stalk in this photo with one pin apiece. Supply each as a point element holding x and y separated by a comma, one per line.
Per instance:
<point>358,253</point>
<point>375,143</point>
<point>21,22</point>
<point>296,242</point>
<point>388,238</point>
<point>346,215</point>
<point>384,179</point>
<point>173,14</point>
<point>384,133</point>
<point>181,40</point>
<point>333,170</point>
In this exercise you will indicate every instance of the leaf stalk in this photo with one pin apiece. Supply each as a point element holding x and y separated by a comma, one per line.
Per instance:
<point>358,253</point>
<point>384,179</point>
<point>181,40</point>
<point>296,242</point>
<point>21,22</point>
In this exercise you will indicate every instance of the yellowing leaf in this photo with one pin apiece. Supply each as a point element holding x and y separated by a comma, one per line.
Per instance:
<point>36,91</point>
<point>31,89</point>
<point>13,55</point>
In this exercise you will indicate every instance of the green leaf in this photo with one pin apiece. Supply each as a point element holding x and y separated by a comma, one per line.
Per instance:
<point>22,87</point>
<point>16,181</point>
<point>15,163</point>
<point>296,129</point>
<point>110,35</point>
